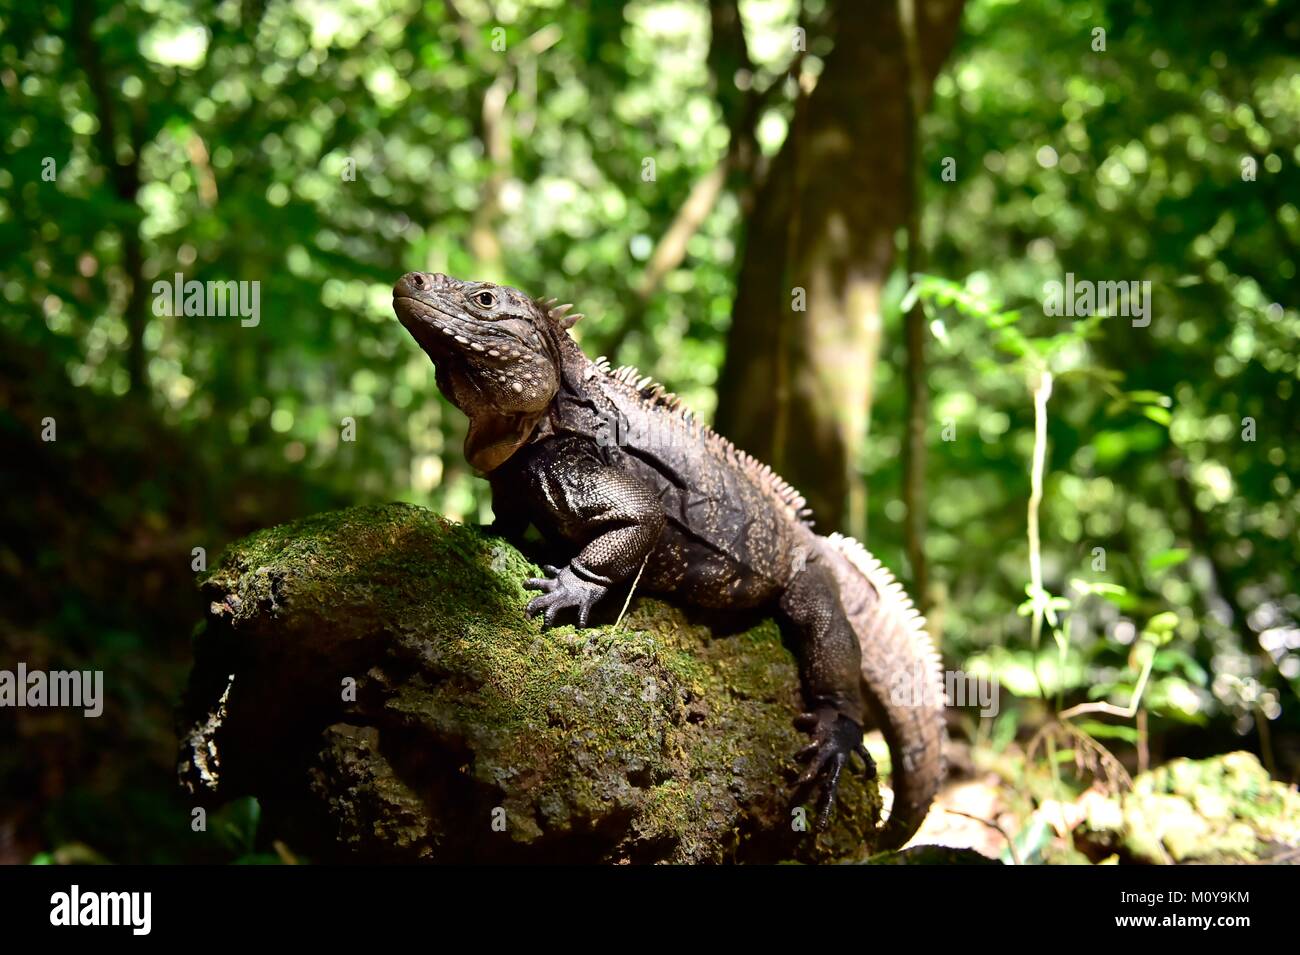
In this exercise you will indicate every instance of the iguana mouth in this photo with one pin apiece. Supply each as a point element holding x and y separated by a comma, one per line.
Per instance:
<point>442,330</point>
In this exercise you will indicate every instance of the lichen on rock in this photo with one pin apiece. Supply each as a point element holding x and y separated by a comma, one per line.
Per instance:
<point>386,698</point>
<point>1220,810</point>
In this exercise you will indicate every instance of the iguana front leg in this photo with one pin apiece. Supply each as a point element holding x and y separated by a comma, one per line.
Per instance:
<point>615,518</point>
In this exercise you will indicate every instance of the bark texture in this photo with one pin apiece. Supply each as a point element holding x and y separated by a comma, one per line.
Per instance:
<point>796,387</point>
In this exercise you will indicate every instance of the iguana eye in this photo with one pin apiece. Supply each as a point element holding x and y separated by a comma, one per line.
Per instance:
<point>485,298</point>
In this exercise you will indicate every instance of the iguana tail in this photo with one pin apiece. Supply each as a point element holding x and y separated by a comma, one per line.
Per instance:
<point>902,678</point>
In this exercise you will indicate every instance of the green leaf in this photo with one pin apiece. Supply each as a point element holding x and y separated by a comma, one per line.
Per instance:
<point>1031,841</point>
<point>1162,560</point>
<point>1160,416</point>
<point>1099,730</point>
<point>1149,398</point>
<point>1172,659</point>
<point>1102,588</point>
<point>1165,622</point>
<point>910,298</point>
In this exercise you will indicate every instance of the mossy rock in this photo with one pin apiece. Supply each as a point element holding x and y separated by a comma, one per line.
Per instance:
<point>1220,810</point>
<point>371,677</point>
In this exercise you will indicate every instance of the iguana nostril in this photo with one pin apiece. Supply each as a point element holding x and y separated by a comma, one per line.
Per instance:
<point>411,282</point>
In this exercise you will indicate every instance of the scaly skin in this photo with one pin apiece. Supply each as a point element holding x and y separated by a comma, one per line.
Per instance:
<point>611,464</point>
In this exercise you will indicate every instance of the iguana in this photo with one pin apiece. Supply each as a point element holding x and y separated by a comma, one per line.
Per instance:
<point>608,462</point>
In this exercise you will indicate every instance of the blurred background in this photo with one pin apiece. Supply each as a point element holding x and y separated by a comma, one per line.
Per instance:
<point>681,170</point>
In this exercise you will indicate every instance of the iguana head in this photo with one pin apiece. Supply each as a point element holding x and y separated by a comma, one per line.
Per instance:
<point>496,355</point>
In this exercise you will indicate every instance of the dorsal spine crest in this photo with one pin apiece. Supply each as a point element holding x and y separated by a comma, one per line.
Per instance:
<point>654,395</point>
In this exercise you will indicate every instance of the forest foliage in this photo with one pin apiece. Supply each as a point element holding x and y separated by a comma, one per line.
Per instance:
<point>324,147</point>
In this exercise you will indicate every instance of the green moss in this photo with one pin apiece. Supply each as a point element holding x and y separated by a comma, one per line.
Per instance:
<point>652,741</point>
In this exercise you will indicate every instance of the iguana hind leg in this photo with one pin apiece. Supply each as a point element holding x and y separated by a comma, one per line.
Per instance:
<point>831,666</point>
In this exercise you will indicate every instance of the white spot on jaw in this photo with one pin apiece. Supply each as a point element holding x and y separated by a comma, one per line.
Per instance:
<point>476,346</point>
<point>517,387</point>
<point>494,353</point>
<point>462,340</point>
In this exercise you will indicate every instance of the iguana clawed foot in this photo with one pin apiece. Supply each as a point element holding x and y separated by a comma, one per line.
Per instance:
<point>563,588</point>
<point>835,739</point>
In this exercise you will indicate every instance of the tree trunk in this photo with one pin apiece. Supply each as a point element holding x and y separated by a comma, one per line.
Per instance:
<point>797,385</point>
<point>125,180</point>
